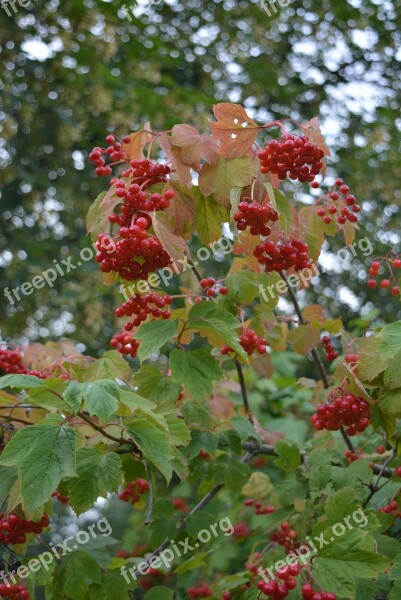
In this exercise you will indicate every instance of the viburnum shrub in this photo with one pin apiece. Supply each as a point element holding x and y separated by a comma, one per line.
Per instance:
<point>255,438</point>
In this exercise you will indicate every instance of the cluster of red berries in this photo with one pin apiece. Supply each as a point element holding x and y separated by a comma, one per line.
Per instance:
<point>276,590</point>
<point>346,410</point>
<point>241,531</point>
<point>143,306</point>
<point>285,536</point>
<point>114,152</point>
<point>125,343</point>
<point>391,509</point>
<point>136,254</point>
<point>180,504</point>
<point>352,358</point>
<point>250,341</point>
<point>153,578</point>
<point>351,456</point>
<point>259,509</point>
<point>293,156</point>
<point>201,591</point>
<point>309,593</point>
<point>138,550</point>
<point>281,255</point>
<point>134,490</point>
<point>60,497</point>
<point>11,362</point>
<point>339,204</point>
<point>255,216</point>
<point>385,284</point>
<point>209,284</point>
<point>13,529</point>
<point>14,592</point>
<point>329,350</point>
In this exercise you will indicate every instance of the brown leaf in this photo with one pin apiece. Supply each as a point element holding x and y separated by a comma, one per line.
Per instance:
<point>175,155</point>
<point>139,139</point>
<point>221,406</point>
<point>182,209</point>
<point>312,131</point>
<point>268,437</point>
<point>173,244</point>
<point>194,145</point>
<point>235,130</point>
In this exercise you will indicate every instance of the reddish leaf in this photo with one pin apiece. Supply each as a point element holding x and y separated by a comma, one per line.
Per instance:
<point>181,210</point>
<point>235,130</point>
<point>194,145</point>
<point>174,245</point>
<point>175,155</point>
<point>139,139</point>
<point>312,131</point>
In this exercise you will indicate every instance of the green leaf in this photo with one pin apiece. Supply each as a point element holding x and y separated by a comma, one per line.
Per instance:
<point>219,179</point>
<point>154,335</point>
<point>289,456</point>
<point>340,505</point>
<point>161,529</point>
<point>20,382</point>
<point>94,217</point>
<point>154,443</point>
<point>159,593</point>
<point>76,572</point>
<point>101,397</point>
<point>195,562</point>
<point>197,370</point>
<point>43,455</point>
<point>236,475</point>
<point>197,413</point>
<point>97,473</point>
<point>208,218</point>
<point>152,384</point>
<point>111,365</point>
<point>243,286</point>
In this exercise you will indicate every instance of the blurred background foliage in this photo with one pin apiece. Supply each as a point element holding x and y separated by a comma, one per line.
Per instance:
<point>73,70</point>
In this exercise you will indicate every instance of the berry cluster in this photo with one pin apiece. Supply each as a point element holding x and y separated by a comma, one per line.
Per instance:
<point>285,536</point>
<point>351,456</point>
<point>180,504</point>
<point>259,510</point>
<point>281,255</point>
<point>346,410</point>
<point>209,284</point>
<point>226,596</point>
<point>153,578</point>
<point>138,550</point>
<point>114,152</point>
<point>255,216</point>
<point>134,490</point>
<point>250,341</point>
<point>60,497</point>
<point>143,306</point>
<point>13,529</point>
<point>135,254</point>
<point>293,156</point>
<point>11,362</point>
<point>125,343</point>
<point>276,590</point>
<point>309,593</point>
<point>201,591</point>
<point>352,358</point>
<point>329,350</point>
<point>339,204</point>
<point>241,531</point>
<point>391,509</point>
<point>386,283</point>
<point>14,592</point>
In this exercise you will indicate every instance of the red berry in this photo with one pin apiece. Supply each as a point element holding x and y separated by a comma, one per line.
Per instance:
<point>385,283</point>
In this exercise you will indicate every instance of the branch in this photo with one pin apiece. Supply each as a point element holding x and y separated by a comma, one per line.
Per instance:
<point>102,431</point>
<point>244,392</point>
<point>375,488</point>
<point>150,502</point>
<point>314,354</point>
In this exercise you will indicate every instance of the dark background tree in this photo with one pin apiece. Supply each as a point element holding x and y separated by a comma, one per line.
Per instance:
<point>72,71</point>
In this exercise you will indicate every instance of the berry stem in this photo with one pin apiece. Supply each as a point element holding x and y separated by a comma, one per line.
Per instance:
<point>244,392</point>
<point>314,354</point>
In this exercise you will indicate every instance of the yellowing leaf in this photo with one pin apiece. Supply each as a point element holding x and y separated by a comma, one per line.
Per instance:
<point>139,139</point>
<point>174,245</point>
<point>312,131</point>
<point>258,486</point>
<point>303,339</point>
<point>218,180</point>
<point>235,130</point>
<point>194,145</point>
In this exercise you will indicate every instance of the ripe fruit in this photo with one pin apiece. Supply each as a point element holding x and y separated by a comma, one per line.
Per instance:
<point>381,449</point>
<point>281,255</point>
<point>255,216</point>
<point>346,410</point>
<point>398,471</point>
<point>292,156</point>
<point>13,529</point>
<point>60,497</point>
<point>142,307</point>
<point>385,283</point>
<point>250,341</point>
<point>331,353</point>
<point>14,592</point>
<point>372,283</point>
<point>132,493</point>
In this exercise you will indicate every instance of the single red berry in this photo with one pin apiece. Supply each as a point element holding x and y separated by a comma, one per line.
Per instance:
<point>395,291</point>
<point>381,449</point>
<point>385,283</point>
<point>398,471</point>
<point>372,283</point>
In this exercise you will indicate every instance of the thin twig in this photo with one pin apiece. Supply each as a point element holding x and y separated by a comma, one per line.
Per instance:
<point>195,270</point>
<point>150,501</point>
<point>315,355</point>
<point>102,431</point>
<point>375,488</point>
<point>244,392</point>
